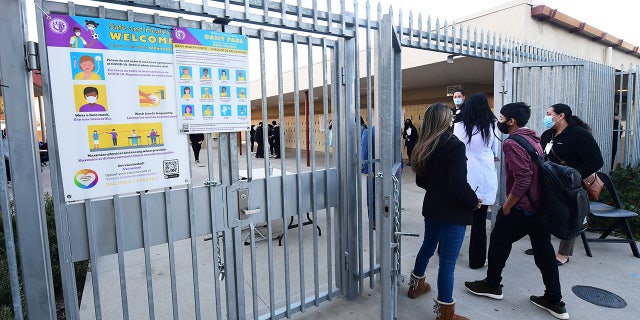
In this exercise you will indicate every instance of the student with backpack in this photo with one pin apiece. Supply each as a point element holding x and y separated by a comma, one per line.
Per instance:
<point>568,141</point>
<point>517,216</point>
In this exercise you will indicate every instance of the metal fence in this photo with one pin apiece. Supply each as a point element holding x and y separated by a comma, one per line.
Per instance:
<point>206,236</point>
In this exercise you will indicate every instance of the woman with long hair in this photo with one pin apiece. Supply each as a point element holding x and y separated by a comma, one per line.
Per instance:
<point>439,162</point>
<point>476,130</point>
<point>568,141</point>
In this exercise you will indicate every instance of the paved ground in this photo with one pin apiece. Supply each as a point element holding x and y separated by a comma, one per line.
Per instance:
<point>613,268</point>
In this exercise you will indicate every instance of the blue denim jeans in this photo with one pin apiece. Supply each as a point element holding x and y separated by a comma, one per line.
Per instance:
<point>450,237</point>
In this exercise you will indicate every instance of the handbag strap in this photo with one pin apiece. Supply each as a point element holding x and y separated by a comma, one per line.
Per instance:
<point>562,162</point>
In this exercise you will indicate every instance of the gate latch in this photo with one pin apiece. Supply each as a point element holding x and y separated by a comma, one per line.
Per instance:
<point>243,205</point>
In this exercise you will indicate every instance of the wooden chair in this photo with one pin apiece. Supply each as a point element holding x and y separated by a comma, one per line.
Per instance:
<point>616,213</point>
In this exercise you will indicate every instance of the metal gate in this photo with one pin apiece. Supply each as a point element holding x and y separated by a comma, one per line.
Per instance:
<point>588,88</point>
<point>206,235</point>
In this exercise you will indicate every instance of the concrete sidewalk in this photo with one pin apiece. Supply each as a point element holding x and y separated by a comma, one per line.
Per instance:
<point>612,268</point>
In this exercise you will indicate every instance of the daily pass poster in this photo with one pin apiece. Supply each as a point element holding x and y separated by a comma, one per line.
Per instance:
<point>211,81</point>
<point>114,99</point>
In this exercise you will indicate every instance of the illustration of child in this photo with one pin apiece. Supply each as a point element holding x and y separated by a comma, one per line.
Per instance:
<point>91,96</point>
<point>96,140</point>
<point>87,65</point>
<point>77,41</point>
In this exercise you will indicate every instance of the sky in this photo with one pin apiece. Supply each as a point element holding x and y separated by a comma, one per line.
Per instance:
<point>612,16</point>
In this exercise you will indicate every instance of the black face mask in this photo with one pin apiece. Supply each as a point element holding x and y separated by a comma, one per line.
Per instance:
<point>503,127</point>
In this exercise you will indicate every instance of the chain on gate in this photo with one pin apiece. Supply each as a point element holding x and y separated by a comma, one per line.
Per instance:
<point>397,234</point>
<point>220,261</point>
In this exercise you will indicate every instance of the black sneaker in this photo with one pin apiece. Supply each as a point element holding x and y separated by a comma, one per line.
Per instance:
<point>556,309</point>
<point>482,288</point>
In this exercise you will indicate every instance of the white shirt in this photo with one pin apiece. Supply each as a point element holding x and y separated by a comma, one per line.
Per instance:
<point>481,168</point>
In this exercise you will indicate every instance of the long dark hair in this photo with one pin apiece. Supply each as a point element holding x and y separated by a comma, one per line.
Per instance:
<point>477,113</point>
<point>559,108</point>
<point>436,122</point>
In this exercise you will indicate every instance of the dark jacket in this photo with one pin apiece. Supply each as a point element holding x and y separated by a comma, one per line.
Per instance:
<point>410,139</point>
<point>576,146</point>
<point>521,172</point>
<point>195,138</point>
<point>259,136</point>
<point>448,196</point>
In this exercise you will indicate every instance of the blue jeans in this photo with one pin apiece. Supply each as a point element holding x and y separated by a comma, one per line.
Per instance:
<point>450,237</point>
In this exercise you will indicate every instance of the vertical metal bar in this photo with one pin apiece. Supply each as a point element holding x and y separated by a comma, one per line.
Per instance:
<point>31,224</point>
<point>117,208</point>
<point>314,13</point>
<point>299,12</point>
<point>265,11</point>
<point>352,175</point>
<point>147,255</point>
<point>385,99</point>
<point>194,250</point>
<point>170,246</point>
<point>327,165</point>
<point>283,198</point>
<point>254,275</point>
<point>372,251</point>
<point>283,12</point>
<point>95,285</point>
<point>357,104</point>
<point>215,243</point>
<point>296,103</point>
<point>267,179</point>
<point>7,224</point>
<point>420,31</point>
<point>438,38</point>
<point>631,118</point>
<point>312,123</point>
<point>67,268</point>
<point>342,16</point>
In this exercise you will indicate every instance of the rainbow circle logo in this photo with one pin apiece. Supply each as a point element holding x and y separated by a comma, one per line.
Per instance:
<point>85,178</point>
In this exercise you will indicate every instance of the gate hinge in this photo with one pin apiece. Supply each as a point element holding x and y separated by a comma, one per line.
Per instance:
<point>503,87</point>
<point>342,76</point>
<point>31,56</point>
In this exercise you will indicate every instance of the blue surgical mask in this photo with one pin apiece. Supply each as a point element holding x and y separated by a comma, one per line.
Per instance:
<point>548,122</point>
<point>457,101</point>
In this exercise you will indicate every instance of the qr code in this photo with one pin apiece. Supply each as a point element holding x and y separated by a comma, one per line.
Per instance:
<point>170,168</point>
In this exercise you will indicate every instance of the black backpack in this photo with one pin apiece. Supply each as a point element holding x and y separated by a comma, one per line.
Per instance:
<point>563,205</point>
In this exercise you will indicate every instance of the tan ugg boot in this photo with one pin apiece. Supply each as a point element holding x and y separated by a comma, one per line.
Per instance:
<point>446,311</point>
<point>418,286</point>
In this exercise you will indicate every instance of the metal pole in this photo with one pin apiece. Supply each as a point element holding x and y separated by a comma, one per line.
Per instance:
<point>30,215</point>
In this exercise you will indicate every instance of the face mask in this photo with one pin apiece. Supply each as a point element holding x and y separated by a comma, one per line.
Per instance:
<point>457,101</point>
<point>503,127</point>
<point>548,122</point>
<point>77,34</point>
<point>92,99</point>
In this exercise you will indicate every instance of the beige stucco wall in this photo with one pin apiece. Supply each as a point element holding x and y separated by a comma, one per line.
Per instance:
<point>514,19</point>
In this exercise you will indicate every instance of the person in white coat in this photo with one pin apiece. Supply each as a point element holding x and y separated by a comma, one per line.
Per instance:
<point>476,130</point>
